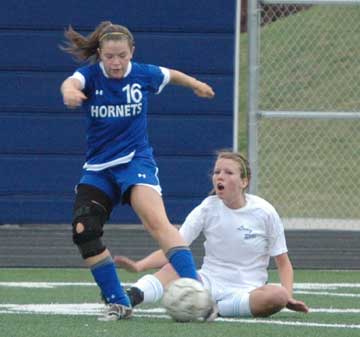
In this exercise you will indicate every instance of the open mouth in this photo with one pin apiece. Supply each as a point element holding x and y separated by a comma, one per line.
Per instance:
<point>220,186</point>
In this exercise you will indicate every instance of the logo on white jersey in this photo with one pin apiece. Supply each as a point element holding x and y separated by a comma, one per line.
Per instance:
<point>248,232</point>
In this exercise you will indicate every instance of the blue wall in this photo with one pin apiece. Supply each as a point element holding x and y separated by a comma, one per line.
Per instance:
<point>42,143</point>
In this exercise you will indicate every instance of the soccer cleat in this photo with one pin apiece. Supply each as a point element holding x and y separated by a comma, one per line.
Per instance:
<point>116,312</point>
<point>212,314</point>
<point>135,295</point>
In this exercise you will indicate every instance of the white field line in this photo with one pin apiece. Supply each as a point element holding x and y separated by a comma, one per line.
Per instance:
<point>53,309</point>
<point>330,311</point>
<point>326,293</point>
<point>93,309</point>
<point>270,321</point>
<point>49,285</point>
<point>97,308</point>
<point>319,286</point>
<point>297,286</point>
<point>279,322</point>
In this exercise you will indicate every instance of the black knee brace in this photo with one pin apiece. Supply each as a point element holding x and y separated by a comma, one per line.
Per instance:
<point>92,215</point>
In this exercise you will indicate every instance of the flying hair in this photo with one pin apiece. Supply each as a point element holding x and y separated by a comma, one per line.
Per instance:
<point>85,48</point>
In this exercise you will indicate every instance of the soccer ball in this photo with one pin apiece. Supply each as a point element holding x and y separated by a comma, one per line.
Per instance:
<point>186,300</point>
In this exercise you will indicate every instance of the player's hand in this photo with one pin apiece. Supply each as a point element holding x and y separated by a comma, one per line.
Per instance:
<point>73,98</point>
<point>203,90</point>
<point>126,263</point>
<point>296,305</point>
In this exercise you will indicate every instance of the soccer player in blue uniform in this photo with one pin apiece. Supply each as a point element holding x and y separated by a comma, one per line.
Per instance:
<point>119,165</point>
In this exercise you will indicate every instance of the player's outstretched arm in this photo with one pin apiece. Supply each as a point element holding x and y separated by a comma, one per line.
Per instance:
<point>71,92</point>
<point>285,271</point>
<point>155,260</point>
<point>286,275</point>
<point>200,89</point>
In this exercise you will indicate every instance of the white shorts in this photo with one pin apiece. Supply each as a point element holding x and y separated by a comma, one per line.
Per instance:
<point>221,291</point>
<point>231,301</point>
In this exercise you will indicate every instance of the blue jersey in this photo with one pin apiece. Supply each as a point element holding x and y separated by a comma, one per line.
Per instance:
<point>117,111</point>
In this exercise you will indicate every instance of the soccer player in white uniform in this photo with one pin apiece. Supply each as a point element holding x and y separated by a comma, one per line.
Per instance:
<point>242,231</point>
<point>119,165</point>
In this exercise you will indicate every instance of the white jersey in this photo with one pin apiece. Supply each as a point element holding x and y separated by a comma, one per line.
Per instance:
<point>239,242</point>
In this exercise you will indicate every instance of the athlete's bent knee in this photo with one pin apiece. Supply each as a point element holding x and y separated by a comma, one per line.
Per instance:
<point>88,225</point>
<point>281,298</point>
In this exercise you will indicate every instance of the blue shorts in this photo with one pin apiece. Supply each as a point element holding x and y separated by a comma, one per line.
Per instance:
<point>117,181</point>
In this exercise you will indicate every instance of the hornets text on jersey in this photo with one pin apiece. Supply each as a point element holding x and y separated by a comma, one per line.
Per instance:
<point>117,111</point>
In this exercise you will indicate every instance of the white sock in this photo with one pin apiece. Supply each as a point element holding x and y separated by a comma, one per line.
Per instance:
<point>236,306</point>
<point>152,288</point>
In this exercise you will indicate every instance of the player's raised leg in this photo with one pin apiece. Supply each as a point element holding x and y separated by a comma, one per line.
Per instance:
<point>149,206</point>
<point>91,210</point>
<point>150,287</point>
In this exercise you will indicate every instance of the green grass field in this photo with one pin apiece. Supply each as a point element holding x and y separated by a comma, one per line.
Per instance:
<point>65,303</point>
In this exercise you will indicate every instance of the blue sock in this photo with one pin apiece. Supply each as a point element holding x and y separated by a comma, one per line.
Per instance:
<point>182,260</point>
<point>107,279</point>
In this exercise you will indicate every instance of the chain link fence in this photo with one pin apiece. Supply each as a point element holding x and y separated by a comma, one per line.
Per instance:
<point>307,111</point>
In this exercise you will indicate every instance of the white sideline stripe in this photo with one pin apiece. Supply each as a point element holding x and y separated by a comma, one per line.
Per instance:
<point>278,322</point>
<point>326,293</point>
<point>46,284</point>
<point>92,309</point>
<point>53,309</point>
<point>51,285</point>
<point>270,321</point>
<point>324,285</point>
<point>97,308</point>
<point>331,311</point>
<point>305,286</point>
<point>66,309</point>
